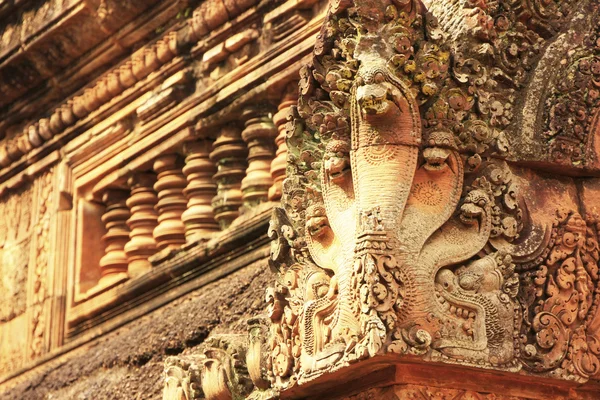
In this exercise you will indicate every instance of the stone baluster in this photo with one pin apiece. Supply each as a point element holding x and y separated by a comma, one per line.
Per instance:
<point>278,165</point>
<point>170,231</point>
<point>259,134</point>
<point>229,154</point>
<point>142,223</point>
<point>114,219</point>
<point>199,219</point>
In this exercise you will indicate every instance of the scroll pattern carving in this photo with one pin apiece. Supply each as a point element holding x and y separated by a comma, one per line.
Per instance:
<point>402,228</point>
<point>572,116</point>
<point>561,297</point>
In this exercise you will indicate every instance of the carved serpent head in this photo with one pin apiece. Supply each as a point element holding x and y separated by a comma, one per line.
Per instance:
<point>375,92</point>
<point>474,206</point>
<point>316,220</point>
<point>337,160</point>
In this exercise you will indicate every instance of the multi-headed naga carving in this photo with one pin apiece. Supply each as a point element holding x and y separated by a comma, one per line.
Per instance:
<point>402,229</point>
<point>377,214</point>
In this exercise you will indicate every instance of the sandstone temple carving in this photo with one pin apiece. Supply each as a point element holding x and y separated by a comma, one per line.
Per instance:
<point>284,199</point>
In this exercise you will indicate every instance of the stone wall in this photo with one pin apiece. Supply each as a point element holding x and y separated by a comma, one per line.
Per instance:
<point>127,363</point>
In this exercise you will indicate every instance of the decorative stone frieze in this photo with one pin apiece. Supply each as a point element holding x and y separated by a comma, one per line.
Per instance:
<point>112,84</point>
<point>170,232</point>
<point>213,13</point>
<point>115,219</point>
<point>278,165</point>
<point>259,133</point>
<point>229,154</point>
<point>198,218</point>
<point>143,221</point>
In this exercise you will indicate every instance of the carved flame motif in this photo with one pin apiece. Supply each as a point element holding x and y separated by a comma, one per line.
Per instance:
<point>377,215</point>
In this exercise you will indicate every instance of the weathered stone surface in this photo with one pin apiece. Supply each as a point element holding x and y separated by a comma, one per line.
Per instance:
<point>128,363</point>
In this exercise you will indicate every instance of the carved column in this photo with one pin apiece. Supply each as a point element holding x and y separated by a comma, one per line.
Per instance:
<point>142,223</point>
<point>278,165</point>
<point>259,134</point>
<point>199,219</point>
<point>117,235</point>
<point>170,231</point>
<point>229,153</point>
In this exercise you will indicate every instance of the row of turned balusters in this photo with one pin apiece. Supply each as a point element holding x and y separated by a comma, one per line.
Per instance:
<point>183,201</point>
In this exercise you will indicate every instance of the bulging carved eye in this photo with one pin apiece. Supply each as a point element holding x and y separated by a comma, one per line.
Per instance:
<point>379,77</point>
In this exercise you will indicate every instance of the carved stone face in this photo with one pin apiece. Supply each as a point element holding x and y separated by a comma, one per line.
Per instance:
<point>337,161</point>
<point>372,92</point>
<point>481,276</point>
<point>440,144</point>
<point>473,207</point>
<point>316,221</point>
<point>435,158</point>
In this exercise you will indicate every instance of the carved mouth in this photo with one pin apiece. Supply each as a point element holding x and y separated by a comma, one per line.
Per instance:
<point>459,319</point>
<point>373,99</point>
<point>337,176</point>
<point>337,168</point>
<point>316,226</point>
<point>374,106</point>
<point>470,213</point>
<point>455,309</point>
<point>435,158</point>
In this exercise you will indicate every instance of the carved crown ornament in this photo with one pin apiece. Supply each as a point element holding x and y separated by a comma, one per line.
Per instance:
<point>403,229</point>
